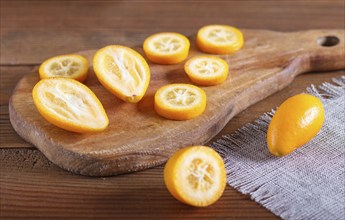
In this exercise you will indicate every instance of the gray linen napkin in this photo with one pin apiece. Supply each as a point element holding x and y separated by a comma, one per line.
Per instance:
<point>307,184</point>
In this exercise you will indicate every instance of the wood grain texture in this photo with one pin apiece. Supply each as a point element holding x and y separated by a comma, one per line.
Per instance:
<point>32,31</point>
<point>8,137</point>
<point>50,27</point>
<point>10,75</point>
<point>137,138</point>
<point>28,179</point>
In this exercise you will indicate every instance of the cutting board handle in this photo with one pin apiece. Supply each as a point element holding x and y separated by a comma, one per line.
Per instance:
<point>326,49</point>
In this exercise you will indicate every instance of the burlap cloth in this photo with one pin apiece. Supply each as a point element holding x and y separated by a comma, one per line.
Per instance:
<point>307,184</point>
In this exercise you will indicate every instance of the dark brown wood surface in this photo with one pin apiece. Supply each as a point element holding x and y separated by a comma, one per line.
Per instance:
<point>31,186</point>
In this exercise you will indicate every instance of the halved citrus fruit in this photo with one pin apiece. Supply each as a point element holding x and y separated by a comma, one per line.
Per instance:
<point>68,66</point>
<point>122,71</point>
<point>195,175</point>
<point>180,101</point>
<point>219,39</point>
<point>69,105</point>
<point>166,48</point>
<point>206,70</point>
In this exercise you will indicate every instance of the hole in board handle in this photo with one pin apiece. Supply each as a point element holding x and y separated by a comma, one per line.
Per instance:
<point>327,41</point>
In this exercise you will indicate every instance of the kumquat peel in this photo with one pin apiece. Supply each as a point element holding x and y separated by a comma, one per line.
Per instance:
<point>68,66</point>
<point>195,176</point>
<point>206,70</point>
<point>166,48</point>
<point>122,71</point>
<point>180,101</point>
<point>295,123</point>
<point>219,39</point>
<point>70,105</point>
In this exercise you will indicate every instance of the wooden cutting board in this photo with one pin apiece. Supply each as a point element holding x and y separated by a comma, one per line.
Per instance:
<point>137,138</point>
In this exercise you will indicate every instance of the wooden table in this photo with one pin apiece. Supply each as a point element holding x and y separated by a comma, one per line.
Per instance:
<point>31,31</point>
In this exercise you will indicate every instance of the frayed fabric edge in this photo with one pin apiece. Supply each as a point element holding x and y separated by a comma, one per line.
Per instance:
<point>243,182</point>
<point>328,90</point>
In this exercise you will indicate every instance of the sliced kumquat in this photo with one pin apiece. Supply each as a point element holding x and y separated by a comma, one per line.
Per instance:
<point>219,39</point>
<point>166,48</point>
<point>180,101</point>
<point>206,70</point>
<point>122,71</point>
<point>69,105</point>
<point>195,176</point>
<point>68,66</point>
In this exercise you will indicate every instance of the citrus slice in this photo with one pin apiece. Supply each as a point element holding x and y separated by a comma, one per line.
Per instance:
<point>166,48</point>
<point>180,101</point>
<point>219,39</point>
<point>206,70</point>
<point>196,176</point>
<point>122,71</point>
<point>69,105</point>
<point>68,66</point>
